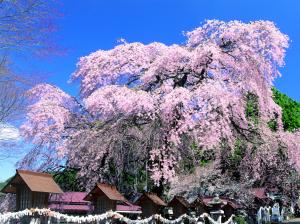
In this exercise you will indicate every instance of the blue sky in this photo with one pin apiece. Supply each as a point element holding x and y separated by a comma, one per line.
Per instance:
<point>97,24</point>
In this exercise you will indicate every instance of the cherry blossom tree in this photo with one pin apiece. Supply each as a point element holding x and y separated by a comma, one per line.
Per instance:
<point>26,28</point>
<point>144,105</point>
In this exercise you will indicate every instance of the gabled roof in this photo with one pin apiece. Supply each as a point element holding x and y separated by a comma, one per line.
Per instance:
<point>127,207</point>
<point>69,197</point>
<point>233,204</point>
<point>35,181</point>
<point>71,208</point>
<point>153,197</point>
<point>133,196</point>
<point>260,193</point>
<point>69,201</point>
<point>205,201</point>
<point>198,201</point>
<point>181,200</point>
<point>109,190</point>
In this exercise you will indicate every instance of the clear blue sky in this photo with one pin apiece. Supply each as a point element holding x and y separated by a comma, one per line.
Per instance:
<point>97,24</point>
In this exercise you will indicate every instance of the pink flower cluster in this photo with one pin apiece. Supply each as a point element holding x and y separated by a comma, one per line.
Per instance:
<point>197,89</point>
<point>47,116</point>
<point>113,100</point>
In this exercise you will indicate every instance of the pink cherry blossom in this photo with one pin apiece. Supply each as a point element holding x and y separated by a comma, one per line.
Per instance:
<point>141,102</point>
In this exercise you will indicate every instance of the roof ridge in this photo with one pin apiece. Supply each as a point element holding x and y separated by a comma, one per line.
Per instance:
<point>149,194</point>
<point>182,200</point>
<point>35,181</point>
<point>109,190</point>
<point>106,184</point>
<point>34,173</point>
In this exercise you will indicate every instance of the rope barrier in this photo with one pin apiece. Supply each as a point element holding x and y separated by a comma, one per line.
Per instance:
<point>5,217</point>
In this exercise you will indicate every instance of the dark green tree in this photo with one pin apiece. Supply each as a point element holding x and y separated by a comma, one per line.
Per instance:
<point>67,180</point>
<point>290,110</point>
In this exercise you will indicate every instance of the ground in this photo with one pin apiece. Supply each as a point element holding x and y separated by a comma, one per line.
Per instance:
<point>295,221</point>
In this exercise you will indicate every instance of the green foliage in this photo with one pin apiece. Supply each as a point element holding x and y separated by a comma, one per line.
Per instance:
<point>2,184</point>
<point>188,160</point>
<point>252,108</point>
<point>282,153</point>
<point>273,125</point>
<point>202,157</point>
<point>194,146</point>
<point>238,154</point>
<point>136,179</point>
<point>67,180</point>
<point>206,157</point>
<point>204,162</point>
<point>290,110</point>
<point>194,157</point>
<point>240,219</point>
<point>188,164</point>
<point>230,159</point>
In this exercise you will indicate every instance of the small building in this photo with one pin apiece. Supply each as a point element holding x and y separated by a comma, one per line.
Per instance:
<point>70,203</point>
<point>199,206</point>
<point>105,197</point>
<point>32,189</point>
<point>260,196</point>
<point>230,207</point>
<point>203,205</point>
<point>129,209</point>
<point>151,204</point>
<point>179,205</point>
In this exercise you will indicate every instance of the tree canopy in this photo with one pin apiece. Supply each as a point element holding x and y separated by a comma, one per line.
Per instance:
<point>290,110</point>
<point>25,29</point>
<point>151,107</point>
